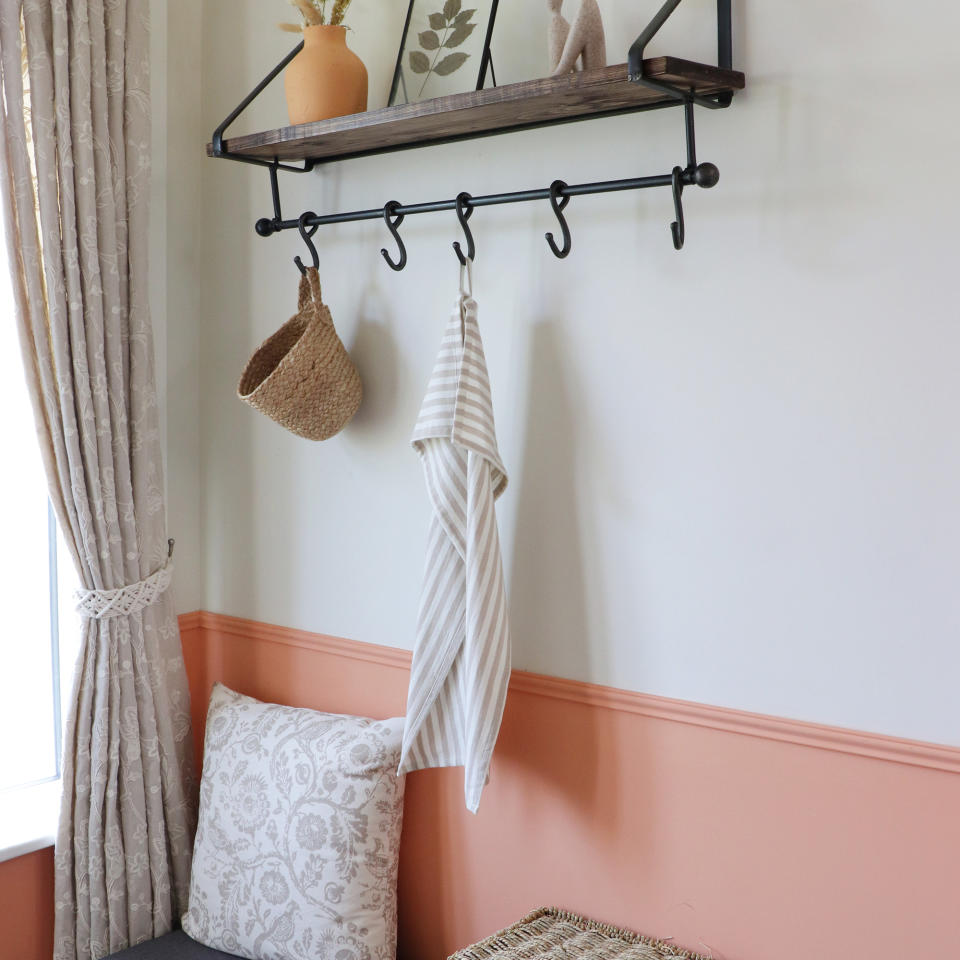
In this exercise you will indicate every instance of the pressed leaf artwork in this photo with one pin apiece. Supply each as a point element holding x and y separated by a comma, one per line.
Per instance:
<point>449,28</point>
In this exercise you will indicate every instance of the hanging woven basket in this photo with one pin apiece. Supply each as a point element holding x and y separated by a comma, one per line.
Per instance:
<point>302,376</point>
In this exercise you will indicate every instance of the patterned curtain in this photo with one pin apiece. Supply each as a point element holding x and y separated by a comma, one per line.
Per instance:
<point>74,171</point>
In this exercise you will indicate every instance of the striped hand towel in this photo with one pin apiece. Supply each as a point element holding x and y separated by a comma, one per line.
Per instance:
<point>461,663</point>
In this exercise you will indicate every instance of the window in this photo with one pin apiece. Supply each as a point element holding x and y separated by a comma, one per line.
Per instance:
<point>40,630</point>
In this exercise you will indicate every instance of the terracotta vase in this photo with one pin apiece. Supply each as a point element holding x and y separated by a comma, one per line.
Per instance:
<point>326,78</point>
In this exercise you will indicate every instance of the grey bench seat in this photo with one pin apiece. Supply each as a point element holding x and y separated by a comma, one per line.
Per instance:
<point>171,946</point>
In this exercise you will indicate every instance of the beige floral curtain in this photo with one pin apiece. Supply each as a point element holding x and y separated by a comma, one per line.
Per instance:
<point>74,169</point>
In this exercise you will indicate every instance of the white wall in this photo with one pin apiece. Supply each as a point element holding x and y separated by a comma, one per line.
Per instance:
<point>177,272</point>
<point>734,470</point>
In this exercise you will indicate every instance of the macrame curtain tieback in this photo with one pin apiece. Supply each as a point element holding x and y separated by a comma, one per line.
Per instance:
<point>126,600</point>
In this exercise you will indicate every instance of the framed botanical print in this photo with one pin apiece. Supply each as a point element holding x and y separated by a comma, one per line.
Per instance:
<point>445,49</point>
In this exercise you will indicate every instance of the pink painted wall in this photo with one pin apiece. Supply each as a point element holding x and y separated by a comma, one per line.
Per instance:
<point>747,837</point>
<point>26,907</point>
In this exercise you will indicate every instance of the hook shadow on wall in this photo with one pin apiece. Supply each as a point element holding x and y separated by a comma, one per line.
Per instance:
<point>667,81</point>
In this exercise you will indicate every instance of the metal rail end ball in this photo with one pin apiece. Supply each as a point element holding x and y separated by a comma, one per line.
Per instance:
<point>706,175</point>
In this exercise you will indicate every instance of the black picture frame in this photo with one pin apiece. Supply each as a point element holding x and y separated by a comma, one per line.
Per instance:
<point>449,11</point>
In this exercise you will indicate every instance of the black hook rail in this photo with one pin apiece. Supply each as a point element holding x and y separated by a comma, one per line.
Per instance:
<point>267,227</point>
<point>703,175</point>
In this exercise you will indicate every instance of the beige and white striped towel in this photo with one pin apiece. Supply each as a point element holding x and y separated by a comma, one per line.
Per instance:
<point>461,663</point>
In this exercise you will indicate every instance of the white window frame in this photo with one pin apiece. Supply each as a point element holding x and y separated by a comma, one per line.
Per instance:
<point>29,811</point>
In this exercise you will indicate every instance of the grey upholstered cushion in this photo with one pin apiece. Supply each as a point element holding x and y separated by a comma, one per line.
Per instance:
<point>174,946</point>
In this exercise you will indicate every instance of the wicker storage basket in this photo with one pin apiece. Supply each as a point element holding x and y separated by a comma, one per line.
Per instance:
<point>302,376</point>
<point>551,934</point>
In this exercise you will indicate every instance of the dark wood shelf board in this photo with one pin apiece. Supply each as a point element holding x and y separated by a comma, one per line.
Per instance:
<point>541,102</point>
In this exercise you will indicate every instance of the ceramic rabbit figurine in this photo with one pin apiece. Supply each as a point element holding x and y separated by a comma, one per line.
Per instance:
<point>582,40</point>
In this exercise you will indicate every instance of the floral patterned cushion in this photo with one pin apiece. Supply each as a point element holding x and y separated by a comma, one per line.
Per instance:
<point>298,835</point>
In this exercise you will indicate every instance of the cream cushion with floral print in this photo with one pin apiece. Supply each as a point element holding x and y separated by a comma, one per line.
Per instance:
<point>298,834</point>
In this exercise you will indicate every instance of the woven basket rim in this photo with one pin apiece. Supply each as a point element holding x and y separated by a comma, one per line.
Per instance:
<point>585,924</point>
<point>284,360</point>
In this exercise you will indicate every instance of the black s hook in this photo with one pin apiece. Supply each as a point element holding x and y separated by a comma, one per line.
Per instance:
<point>464,210</point>
<point>302,227</point>
<point>676,228</point>
<point>393,220</point>
<point>558,203</point>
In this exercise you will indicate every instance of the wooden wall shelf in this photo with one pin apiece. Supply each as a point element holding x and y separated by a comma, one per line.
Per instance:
<point>532,103</point>
<point>639,84</point>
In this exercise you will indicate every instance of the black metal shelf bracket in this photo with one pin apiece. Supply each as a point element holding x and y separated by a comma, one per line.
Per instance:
<point>724,56</point>
<point>218,148</point>
<point>558,193</point>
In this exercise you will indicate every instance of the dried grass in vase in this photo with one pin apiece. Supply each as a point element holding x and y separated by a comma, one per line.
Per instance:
<point>314,13</point>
